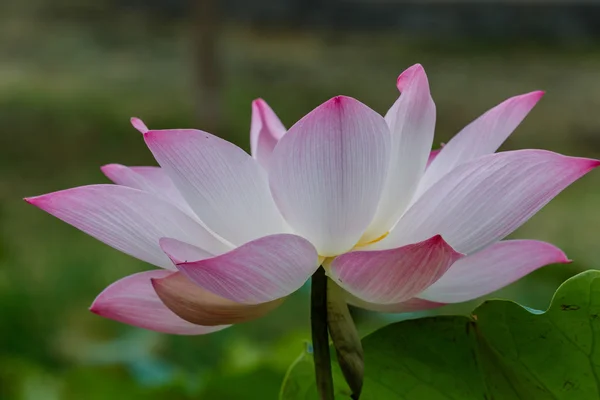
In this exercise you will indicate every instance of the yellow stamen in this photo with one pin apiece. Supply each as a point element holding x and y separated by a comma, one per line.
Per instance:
<point>375,240</point>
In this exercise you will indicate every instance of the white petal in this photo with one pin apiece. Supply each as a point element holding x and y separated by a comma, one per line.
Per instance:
<point>225,187</point>
<point>327,173</point>
<point>265,131</point>
<point>412,123</point>
<point>482,136</point>
<point>127,219</point>
<point>482,201</point>
<point>149,179</point>
<point>491,269</point>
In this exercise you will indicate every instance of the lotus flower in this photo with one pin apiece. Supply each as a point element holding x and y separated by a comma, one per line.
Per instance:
<point>397,227</point>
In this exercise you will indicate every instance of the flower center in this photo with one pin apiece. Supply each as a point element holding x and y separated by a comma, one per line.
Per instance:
<point>380,238</point>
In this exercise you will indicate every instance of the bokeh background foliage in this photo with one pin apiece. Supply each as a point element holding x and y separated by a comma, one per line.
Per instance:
<point>72,73</point>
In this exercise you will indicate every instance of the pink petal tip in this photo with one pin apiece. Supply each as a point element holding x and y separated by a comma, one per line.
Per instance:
<point>37,201</point>
<point>407,75</point>
<point>339,101</point>
<point>139,125</point>
<point>258,102</point>
<point>109,169</point>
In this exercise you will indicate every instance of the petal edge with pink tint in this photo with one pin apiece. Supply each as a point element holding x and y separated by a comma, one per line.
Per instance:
<point>484,200</point>
<point>182,252</point>
<point>199,306</point>
<point>432,155</point>
<point>265,131</point>
<point>127,219</point>
<point>259,271</point>
<point>412,123</point>
<point>327,173</point>
<point>408,306</point>
<point>139,125</point>
<point>149,179</point>
<point>393,276</point>
<point>482,136</point>
<point>227,189</point>
<point>132,300</point>
<point>491,269</point>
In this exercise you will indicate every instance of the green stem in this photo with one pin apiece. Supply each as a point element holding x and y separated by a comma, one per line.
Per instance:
<point>320,336</point>
<point>346,341</point>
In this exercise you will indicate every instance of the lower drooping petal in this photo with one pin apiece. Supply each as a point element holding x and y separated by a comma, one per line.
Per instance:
<point>393,276</point>
<point>199,306</point>
<point>127,219</point>
<point>132,300</point>
<point>327,173</point>
<point>149,179</point>
<point>484,200</point>
<point>408,306</point>
<point>259,271</point>
<point>492,269</point>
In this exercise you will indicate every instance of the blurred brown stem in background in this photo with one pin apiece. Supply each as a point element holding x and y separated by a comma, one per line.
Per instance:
<point>206,28</point>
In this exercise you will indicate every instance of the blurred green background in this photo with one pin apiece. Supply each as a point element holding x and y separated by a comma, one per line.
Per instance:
<point>73,72</point>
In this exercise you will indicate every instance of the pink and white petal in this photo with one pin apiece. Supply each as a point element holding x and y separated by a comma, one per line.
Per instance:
<point>482,136</point>
<point>412,122</point>
<point>327,173</point>
<point>491,269</point>
<point>199,306</point>
<point>260,271</point>
<point>132,300</point>
<point>484,200</point>
<point>411,305</point>
<point>225,187</point>
<point>182,252</point>
<point>393,276</point>
<point>432,155</point>
<point>139,125</point>
<point>265,131</point>
<point>149,179</point>
<point>127,219</point>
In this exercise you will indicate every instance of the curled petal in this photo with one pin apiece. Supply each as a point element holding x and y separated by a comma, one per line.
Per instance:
<point>132,300</point>
<point>393,276</point>
<point>491,269</point>
<point>199,306</point>
<point>260,271</point>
